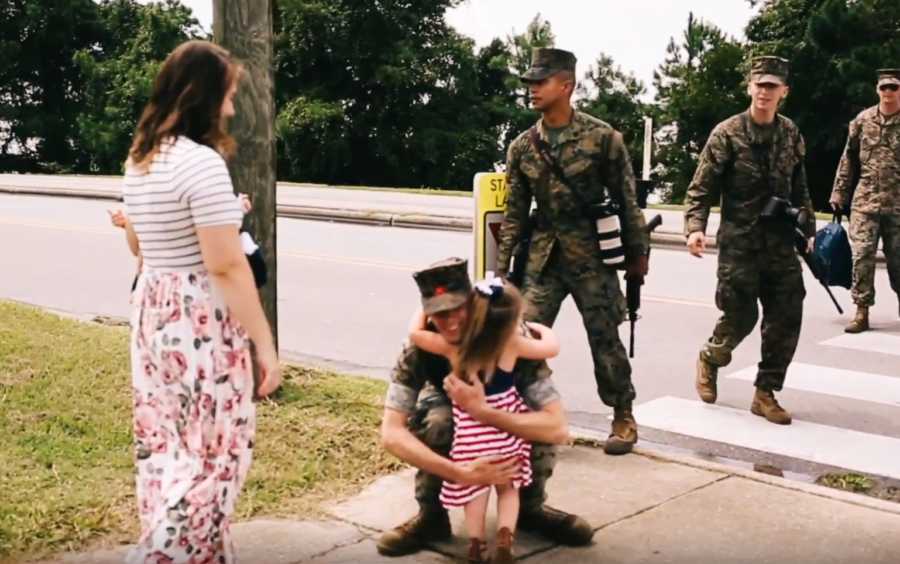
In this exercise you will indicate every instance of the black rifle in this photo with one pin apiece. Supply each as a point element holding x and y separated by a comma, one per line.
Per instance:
<point>633,288</point>
<point>516,274</point>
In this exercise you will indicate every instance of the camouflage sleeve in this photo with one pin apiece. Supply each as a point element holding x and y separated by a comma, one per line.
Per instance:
<point>518,205</point>
<point>848,168</point>
<point>406,382</point>
<point>799,189</point>
<point>621,184</point>
<point>704,187</point>
<point>536,386</point>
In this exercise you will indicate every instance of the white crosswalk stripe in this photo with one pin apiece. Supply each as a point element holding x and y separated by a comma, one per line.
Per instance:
<point>822,444</point>
<point>863,386</point>
<point>870,341</point>
<point>803,440</point>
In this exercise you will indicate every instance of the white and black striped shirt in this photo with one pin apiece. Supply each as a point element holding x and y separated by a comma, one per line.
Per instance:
<point>186,186</point>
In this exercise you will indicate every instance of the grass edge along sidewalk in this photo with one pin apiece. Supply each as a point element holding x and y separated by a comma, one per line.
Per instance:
<point>66,482</point>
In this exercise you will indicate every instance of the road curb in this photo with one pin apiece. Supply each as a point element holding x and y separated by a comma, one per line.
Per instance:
<point>783,483</point>
<point>666,239</point>
<point>63,192</point>
<point>337,215</point>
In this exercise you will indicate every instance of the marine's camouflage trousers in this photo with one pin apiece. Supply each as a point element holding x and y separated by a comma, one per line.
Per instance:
<point>774,279</point>
<point>865,230</point>
<point>599,299</point>
<point>432,423</point>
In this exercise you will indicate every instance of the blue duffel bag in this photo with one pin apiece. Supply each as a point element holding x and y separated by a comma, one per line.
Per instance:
<point>832,251</point>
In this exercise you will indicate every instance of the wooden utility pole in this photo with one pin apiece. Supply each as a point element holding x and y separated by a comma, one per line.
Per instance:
<point>244,27</point>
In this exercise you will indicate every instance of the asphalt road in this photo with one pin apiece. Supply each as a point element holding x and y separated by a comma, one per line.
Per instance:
<point>346,293</point>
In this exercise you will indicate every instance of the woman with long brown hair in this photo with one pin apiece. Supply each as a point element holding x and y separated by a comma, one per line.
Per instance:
<point>195,311</point>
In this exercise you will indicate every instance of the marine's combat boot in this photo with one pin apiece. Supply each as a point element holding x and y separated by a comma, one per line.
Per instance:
<point>623,433</point>
<point>765,405</point>
<point>503,553</point>
<point>558,526</point>
<point>412,536</point>
<point>706,380</point>
<point>860,323</point>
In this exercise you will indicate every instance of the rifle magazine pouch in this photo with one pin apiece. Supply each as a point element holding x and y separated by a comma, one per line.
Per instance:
<point>609,235</point>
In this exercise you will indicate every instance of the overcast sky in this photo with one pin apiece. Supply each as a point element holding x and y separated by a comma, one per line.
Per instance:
<point>633,32</point>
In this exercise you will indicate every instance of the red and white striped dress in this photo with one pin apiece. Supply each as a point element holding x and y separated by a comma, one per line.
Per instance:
<point>473,440</point>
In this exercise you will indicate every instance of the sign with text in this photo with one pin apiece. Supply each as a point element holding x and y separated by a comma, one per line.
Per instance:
<point>489,190</point>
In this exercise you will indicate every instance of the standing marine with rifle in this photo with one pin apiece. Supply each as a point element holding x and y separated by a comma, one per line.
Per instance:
<point>578,171</point>
<point>754,162</point>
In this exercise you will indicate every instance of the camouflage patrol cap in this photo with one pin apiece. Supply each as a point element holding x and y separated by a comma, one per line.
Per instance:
<point>547,62</point>
<point>444,285</point>
<point>769,69</point>
<point>888,76</point>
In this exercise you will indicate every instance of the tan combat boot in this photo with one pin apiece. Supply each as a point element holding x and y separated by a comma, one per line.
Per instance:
<point>706,381</point>
<point>503,554</point>
<point>412,536</point>
<point>477,552</point>
<point>860,323</point>
<point>623,434</point>
<point>765,405</point>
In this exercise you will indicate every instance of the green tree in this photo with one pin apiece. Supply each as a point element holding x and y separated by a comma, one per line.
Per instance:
<point>118,74</point>
<point>700,83</point>
<point>609,93</point>
<point>538,33</point>
<point>39,84</point>
<point>380,93</point>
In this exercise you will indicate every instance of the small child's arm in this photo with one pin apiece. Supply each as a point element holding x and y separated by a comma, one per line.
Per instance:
<point>426,340</point>
<point>546,345</point>
<point>120,220</point>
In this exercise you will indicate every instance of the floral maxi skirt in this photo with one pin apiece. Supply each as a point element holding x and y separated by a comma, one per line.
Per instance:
<point>194,417</point>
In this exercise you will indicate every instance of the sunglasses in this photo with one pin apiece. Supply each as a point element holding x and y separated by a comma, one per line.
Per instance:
<point>889,87</point>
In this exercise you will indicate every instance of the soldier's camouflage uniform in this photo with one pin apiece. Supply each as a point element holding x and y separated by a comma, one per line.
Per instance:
<point>564,256</point>
<point>416,388</point>
<point>872,155</point>
<point>743,165</point>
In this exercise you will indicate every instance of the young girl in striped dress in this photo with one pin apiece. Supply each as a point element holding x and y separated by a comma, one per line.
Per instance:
<point>493,340</point>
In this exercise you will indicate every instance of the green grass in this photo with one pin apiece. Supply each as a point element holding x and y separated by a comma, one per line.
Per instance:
<point>850,482</point>
<point>66,477</point>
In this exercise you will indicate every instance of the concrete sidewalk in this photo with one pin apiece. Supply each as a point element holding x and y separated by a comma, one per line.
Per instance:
<point>647,508</point>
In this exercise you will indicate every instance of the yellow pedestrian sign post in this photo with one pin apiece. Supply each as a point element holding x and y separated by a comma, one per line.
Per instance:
<point>490,203</point>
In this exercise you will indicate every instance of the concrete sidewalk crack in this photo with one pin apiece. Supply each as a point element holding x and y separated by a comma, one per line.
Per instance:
<point>639,512</point>
<point>362,538</point>
<point>664,502</point>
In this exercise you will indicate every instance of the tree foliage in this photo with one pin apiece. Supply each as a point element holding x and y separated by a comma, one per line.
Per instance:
<point>118,76</point>
<point>700,83</point>
<point>611,94</point>
<point>388,93</point>
<point>40,86</point>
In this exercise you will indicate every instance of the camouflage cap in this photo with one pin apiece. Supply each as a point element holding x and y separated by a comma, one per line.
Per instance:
<point>774,70</point>
<point>444,285</point>
<point>888,76</point>
<point>547,62</point>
